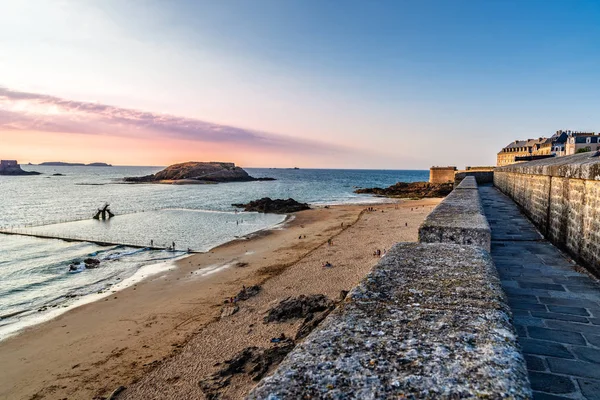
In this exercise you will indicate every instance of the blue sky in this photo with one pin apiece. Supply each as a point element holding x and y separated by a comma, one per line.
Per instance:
<point>393,84</point>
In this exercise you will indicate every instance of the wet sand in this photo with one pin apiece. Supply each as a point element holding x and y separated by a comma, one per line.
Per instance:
<point>160,337</point>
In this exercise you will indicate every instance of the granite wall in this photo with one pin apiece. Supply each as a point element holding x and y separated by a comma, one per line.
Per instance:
<point>562,197</point>
<point>430,321</point>
<point>458,219</point>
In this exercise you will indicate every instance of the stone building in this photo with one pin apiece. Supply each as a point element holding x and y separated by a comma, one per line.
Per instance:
<point>8,165</point>
<point>554,146</point>
<point>524,148</point>
<point>582,142</point>
<point>441,174</point>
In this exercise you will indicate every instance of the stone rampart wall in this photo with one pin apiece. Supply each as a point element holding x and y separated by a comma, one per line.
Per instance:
<point>430,321</point>
<point>562,197</point>
<point>458,219</point>
<point>481,176</point>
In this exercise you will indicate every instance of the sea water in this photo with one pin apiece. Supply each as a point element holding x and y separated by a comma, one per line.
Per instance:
<point>35,280</point>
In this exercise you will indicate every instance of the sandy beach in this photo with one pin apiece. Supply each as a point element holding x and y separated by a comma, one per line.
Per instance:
<point>160,337</point>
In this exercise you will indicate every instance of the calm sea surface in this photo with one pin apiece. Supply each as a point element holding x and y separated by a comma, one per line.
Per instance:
<point>35,282</point>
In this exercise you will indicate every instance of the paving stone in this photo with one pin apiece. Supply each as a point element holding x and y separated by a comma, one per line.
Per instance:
<point>546,396</point>
<point>549,290</point>
<point>543,286</point>
<point>536,279</point>
<point>556,335</point>
<point>551,383</point>
<point>524,298</point>
<point>574,327</point>
<point>569,310</point>
<point>521,331</point>
<point>521,313</point>
<point>528,321</point>
<point>569,302</point>
<point>544,348</point>
<point>527,292</point>
<point>560,317</point>
<point>590,389</point>
<point>593,339</point>
<point>574,368</point>
<point>587,354</point>
<point>535,363</point>
<point>526,306</point>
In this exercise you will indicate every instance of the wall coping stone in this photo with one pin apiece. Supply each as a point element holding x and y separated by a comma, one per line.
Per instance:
<point>468,183</point>
<point>430,321</point>
<point>578,166</point>
<point>459,219</point>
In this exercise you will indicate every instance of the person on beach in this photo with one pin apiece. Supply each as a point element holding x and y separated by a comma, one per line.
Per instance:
<point>173,246</point>
<point>151,243</point>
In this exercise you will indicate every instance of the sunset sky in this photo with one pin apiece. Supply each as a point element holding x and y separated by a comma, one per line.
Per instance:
<point>279,83</point>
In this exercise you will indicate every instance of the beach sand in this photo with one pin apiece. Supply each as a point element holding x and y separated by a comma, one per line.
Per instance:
<point>160,337</point>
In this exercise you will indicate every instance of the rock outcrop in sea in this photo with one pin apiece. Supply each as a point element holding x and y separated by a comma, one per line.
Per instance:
<point>411,190</point>
<point>277,206</point>
<point>198,172</point>
<point>12,167</point>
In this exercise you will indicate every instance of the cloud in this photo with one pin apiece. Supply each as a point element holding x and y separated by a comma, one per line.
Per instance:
<point>45,113</point>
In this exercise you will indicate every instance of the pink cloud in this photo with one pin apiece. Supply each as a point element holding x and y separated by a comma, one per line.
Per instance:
<point>39,112</point>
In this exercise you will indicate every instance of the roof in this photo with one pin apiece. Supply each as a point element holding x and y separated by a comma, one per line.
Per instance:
<point>583,138</point>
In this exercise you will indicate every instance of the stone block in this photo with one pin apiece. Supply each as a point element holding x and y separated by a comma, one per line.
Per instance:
<point>569,310</point>
<point>551,383</point>
<point>555,335</point>
<point>543,348</point>
<point>573,367</point>
<point>535,363</point>
<point>559,317</point>
<point>590,389</point>
<point>587,354</point>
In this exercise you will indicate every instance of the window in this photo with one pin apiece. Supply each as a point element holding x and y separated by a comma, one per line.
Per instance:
<point>588,140</point>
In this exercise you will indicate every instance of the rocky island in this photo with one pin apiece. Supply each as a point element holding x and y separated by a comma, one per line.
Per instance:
<point>277,206</point>
<point>12,167</point>
<point>412,190</point>
<point>66,164</point>
<point>198,173</point>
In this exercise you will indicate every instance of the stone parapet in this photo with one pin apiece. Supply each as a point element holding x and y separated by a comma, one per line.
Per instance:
<point>481,176</point>
<point>578,166</point>
<point>459,219</point>
<point>430,321</point>
<point>562,197</point>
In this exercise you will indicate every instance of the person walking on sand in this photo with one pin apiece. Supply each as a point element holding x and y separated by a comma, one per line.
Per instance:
<point>173,246</point>
<point>151,243</point>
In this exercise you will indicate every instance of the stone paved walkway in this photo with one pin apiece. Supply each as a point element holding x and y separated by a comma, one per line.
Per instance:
<point>556,309</point>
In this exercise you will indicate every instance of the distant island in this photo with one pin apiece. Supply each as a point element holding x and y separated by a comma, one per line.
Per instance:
<point>195,172</point>
<point>12,168</point>
<point>66,164</point>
